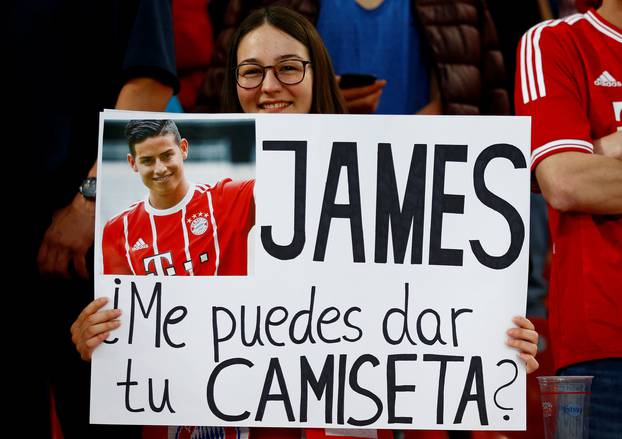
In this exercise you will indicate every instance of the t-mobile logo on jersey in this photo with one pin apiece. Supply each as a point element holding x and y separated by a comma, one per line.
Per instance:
<point>617,111</point>
<point>155,265</point>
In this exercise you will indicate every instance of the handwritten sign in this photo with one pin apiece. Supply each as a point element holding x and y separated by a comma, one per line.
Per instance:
<point>390,255</point>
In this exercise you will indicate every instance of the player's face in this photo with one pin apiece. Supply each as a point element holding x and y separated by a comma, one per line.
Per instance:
<point>268,46</point>
<point>160,163</point>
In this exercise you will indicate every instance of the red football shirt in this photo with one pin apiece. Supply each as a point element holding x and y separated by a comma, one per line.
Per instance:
<point>569,79</point>
<point>205,234</point>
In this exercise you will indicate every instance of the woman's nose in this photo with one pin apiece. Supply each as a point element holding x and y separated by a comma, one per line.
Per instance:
<point>270,81</point>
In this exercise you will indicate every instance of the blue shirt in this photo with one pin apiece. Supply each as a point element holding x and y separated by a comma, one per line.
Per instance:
<point>383,42</point>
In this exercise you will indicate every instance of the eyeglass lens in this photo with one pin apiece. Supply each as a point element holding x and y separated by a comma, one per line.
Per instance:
<point>289,72</point>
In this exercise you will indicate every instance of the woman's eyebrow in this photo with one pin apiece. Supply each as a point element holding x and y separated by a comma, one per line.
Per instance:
<point>290,55</point>
<point>250,60</point>
<point>278,58</point>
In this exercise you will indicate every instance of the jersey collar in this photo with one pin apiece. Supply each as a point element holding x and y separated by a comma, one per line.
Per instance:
<point>603,26</point>
<point>161,212</point>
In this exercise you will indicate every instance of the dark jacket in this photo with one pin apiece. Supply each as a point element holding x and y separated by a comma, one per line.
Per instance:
<point>459,37</point>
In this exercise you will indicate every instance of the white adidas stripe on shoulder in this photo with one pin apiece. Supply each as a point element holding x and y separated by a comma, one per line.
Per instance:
<point>531,72</point>
<point>528,83</point>
<point>572,19</point>
<point>560,144</point>
<point>538,57</point>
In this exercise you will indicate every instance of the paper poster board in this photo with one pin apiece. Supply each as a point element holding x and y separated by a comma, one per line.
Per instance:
<point>389,254</point>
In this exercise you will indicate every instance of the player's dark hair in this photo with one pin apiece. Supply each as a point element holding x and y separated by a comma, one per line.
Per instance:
<point>137,131</point>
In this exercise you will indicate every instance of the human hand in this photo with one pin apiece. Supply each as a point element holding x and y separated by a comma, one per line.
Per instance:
<point>610,145</point>
<point>67,239</point>
<point>363,100</point>
<point>525,339</point>
<point>92,327</point>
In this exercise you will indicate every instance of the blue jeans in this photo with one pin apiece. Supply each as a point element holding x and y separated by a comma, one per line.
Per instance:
<point>606,399</point>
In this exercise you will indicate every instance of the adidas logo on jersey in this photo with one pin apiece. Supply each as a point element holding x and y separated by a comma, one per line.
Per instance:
<point>606,80</point>
<point>140,245</point>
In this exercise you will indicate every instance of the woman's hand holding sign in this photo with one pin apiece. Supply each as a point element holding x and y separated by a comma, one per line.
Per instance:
<point>93,326</point>
<point>525,339</point>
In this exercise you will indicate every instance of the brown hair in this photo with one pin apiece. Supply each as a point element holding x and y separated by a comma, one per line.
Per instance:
<point>326,96</point>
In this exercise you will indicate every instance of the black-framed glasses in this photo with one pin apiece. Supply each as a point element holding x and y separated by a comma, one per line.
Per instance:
<point>288,72</point>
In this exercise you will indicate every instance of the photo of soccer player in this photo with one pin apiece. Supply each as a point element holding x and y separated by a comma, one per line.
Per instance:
<point>178,224</point>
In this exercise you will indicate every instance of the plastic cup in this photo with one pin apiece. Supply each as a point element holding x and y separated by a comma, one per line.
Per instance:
<point>566,406</point>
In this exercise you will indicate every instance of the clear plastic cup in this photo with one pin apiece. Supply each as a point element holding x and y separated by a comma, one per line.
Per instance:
<point>566,406</point>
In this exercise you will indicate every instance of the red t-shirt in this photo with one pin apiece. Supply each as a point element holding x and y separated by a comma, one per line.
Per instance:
<point>205,234</point>
<point>569,79</point>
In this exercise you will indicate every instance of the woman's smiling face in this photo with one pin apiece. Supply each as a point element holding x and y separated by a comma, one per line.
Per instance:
<point>267,46</point>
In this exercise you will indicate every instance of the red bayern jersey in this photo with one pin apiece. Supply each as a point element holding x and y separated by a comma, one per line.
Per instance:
<point>205,234</point>
<point>569,79</point>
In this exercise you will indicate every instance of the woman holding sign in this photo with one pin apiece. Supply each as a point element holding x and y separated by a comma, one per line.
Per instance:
<point>277,64</point>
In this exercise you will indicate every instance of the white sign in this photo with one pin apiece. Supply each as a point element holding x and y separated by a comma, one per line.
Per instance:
<point>390,255</point>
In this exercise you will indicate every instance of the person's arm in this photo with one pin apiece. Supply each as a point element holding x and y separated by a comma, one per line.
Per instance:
<point>610,146</point>
<point>578,182</point>
<point>524,338</point>
<point>69,237</point>
<point>72,230</point>
<point>575,172</point>
<point>144,94</point>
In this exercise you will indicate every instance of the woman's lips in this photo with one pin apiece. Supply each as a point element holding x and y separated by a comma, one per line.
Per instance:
<point>274,106</point>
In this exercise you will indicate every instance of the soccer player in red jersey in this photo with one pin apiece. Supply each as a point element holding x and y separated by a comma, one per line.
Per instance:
<point>569,80</point>
<point>180,229</point>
